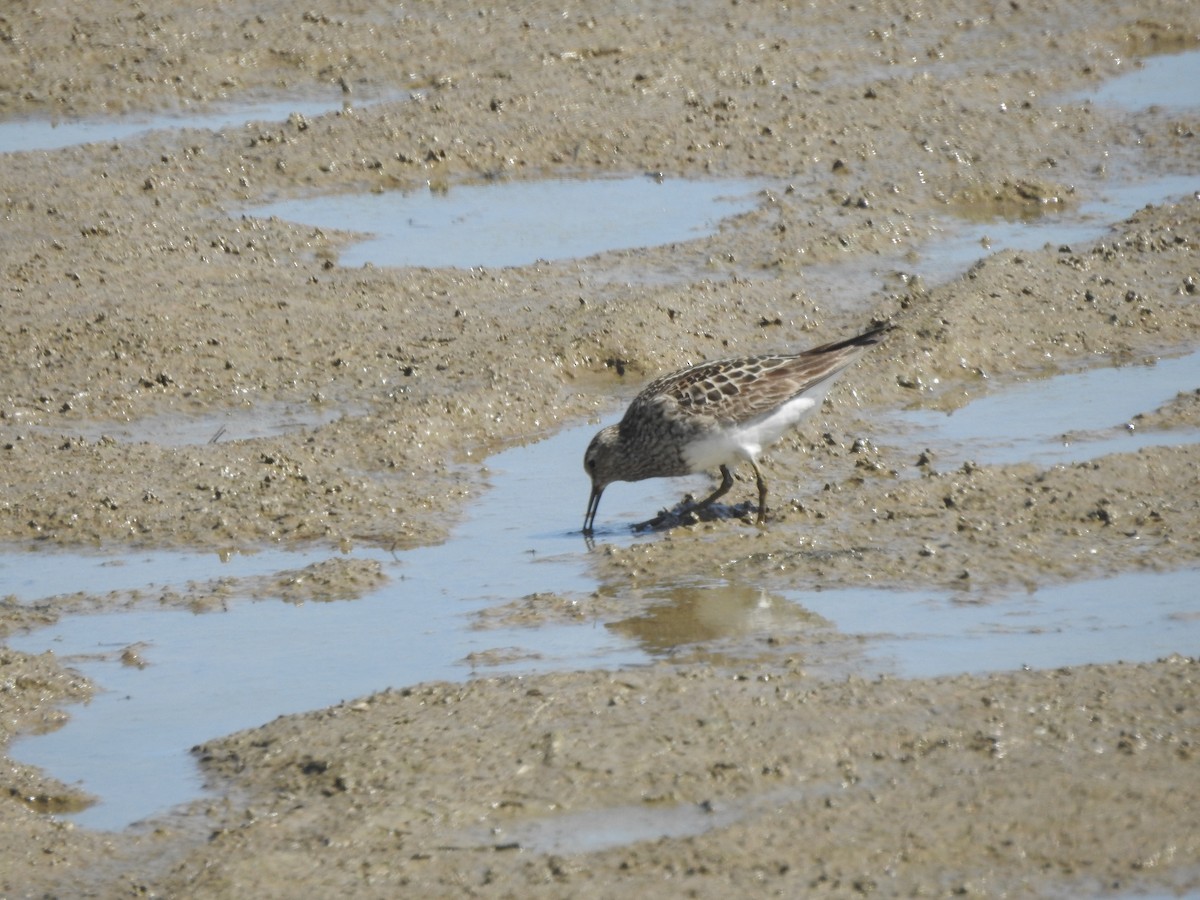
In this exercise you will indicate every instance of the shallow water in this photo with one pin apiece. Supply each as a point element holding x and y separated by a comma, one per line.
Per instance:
<point>214,672</point>
<point>1169,82</point>
<point>1076,223</point>
<point>1133,617</point>
<point>26,134</point>
<point>1163,82</point>
<point>520,222</point>
<point>964,242</point>
<point>1066,419</point>
<point>180,429</point>
<point>593,830</point>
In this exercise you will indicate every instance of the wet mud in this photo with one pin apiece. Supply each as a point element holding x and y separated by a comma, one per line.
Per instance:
<point>138,290</point>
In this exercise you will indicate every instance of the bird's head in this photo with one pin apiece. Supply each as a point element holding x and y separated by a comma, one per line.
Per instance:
<point>601,462</point>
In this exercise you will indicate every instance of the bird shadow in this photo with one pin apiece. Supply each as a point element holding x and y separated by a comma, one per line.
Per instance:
<point>688,512</point>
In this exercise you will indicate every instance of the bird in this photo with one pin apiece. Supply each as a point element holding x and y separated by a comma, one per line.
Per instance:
<point>716,414</point>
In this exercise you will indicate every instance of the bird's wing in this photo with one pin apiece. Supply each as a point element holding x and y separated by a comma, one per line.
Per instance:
<point>736,390</point>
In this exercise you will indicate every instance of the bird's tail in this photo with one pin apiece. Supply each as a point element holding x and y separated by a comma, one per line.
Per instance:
<point>868,338</point>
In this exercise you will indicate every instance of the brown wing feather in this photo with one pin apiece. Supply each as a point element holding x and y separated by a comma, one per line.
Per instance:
<point>738,389</point>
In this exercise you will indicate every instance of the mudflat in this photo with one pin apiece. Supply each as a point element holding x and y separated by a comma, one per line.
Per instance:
<point>137,287</point>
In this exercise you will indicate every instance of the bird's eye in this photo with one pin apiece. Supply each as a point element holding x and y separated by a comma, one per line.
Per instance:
<point>591,463</point>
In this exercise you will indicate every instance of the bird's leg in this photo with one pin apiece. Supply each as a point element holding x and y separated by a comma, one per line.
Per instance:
<point>721,491</point>
<point>762,493</point>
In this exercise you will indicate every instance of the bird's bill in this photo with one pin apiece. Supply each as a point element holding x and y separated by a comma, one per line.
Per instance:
<point>589,517</point>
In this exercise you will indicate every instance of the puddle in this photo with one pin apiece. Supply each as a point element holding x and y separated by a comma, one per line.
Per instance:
<point>1168,82</point>
<point>593,830</point>
<point>20,135</point>
<point>1133,617</point>
<point>1080,223</point>
<point>698,614</point>
<point>33,575</point>
<point>963,242</point>
<point>182,429</point>
<point>601,829</point>
<point>1164,81</point>
<point>1066,419</point>
<point>521,222</point>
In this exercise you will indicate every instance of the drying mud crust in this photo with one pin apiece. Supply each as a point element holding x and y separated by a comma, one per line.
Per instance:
<point>137,287</point>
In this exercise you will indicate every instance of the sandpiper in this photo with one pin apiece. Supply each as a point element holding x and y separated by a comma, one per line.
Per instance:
<point>716,413</point>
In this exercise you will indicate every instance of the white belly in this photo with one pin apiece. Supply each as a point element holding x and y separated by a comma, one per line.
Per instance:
<point>746,441</point>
